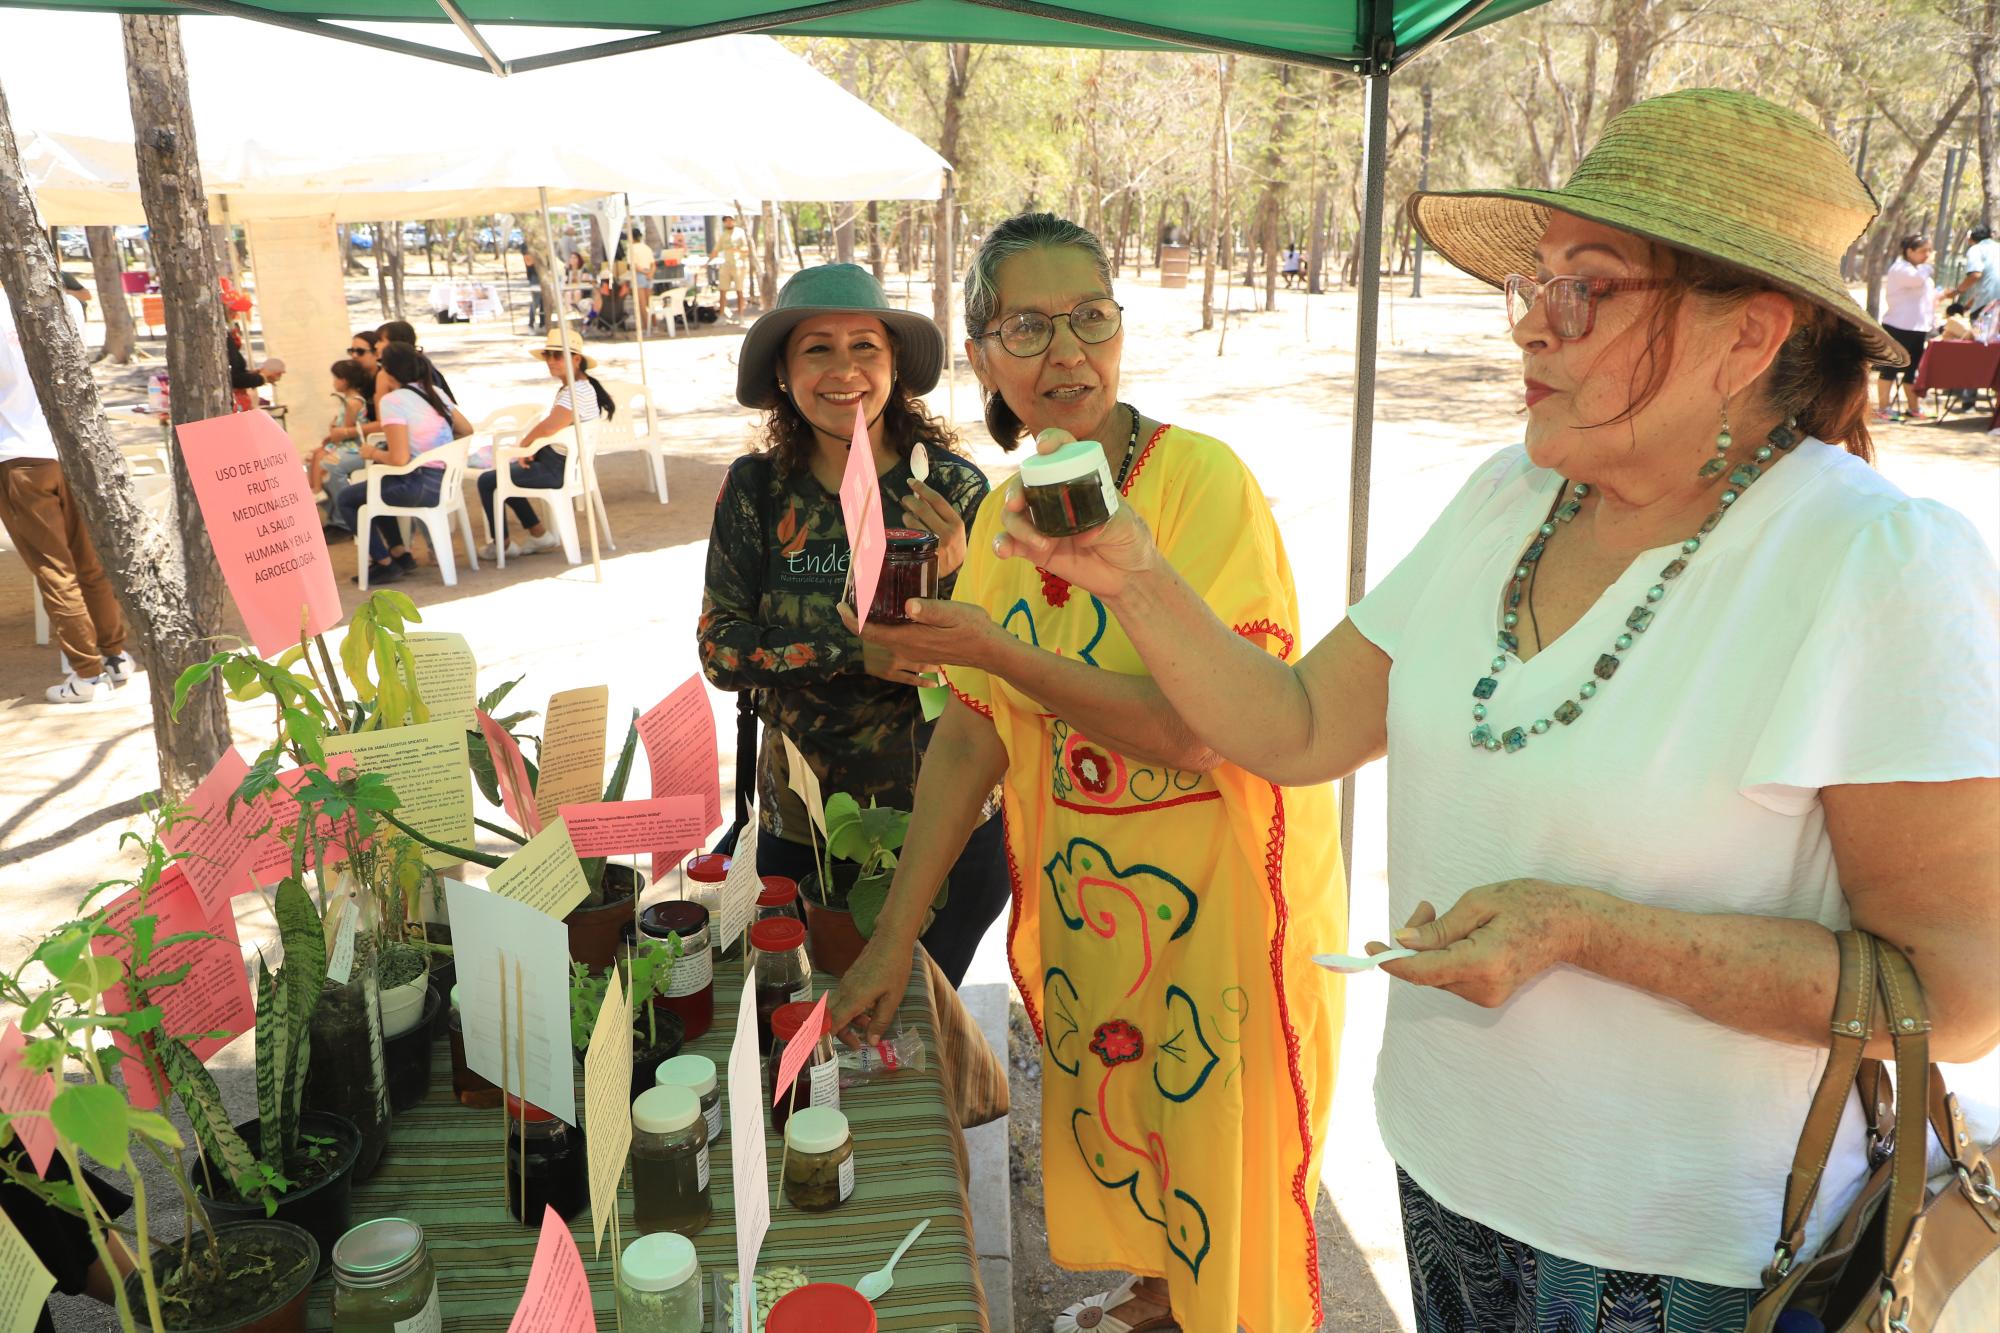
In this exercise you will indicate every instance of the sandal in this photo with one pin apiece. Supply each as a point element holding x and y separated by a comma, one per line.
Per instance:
<point>1093,1313</point>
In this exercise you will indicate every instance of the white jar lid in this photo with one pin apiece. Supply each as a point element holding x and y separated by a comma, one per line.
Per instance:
<point>665,1110</point>
<point>816,1129</point>
<point>687,1071</point>
<point>1073,462</point>
<point>659,1262</point>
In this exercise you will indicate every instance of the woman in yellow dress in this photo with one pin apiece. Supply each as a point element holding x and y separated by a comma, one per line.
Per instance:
<point>1164,913</point>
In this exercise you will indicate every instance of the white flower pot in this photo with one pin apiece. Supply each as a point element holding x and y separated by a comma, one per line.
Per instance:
<point>403,1006</point>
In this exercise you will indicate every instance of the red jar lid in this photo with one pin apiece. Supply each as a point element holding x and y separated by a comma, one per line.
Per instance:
<point>822,1307</point>
<point>778,892</point>
<point>708,868</point>
<point>787,1019</point>
<point>778,935</point>
<point>911,539</point>
<point>676,917</point>
<point>528,1111</point>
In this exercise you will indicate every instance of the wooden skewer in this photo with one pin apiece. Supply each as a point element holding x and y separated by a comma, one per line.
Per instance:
<point>506,1132</point>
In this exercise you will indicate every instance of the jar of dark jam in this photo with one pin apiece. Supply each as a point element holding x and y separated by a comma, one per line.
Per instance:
<point>469,1088</point>
<point>818,1083</point>
<point>1069,491</point>
<point>909,569</point>
<point>545,1164</point>
<point>778,898</point>
<point>782,973</point>
<point>691,990</point>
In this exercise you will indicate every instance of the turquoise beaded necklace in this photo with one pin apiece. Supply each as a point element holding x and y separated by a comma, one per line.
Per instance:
<point>1566,506</point>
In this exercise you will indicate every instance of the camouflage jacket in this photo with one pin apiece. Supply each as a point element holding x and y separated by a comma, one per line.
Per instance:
<point>777,565</point>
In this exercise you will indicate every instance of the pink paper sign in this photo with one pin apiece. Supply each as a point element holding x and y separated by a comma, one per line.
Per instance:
<point>272,859</point>
<point>558,1296</point>
<point>219,843</point>
<point>861,508</point>
<point>620,828</point>
<point>214,996</point>
<point>798,1050</point>
<point>25,1095</point>
<point>679,733</point>
<point>261,519</point>
<point>516,792</point>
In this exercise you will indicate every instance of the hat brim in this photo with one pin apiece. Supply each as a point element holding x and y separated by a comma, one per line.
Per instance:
<point>919,350</point>
<point>1492,233</point>
<point>542,353</point>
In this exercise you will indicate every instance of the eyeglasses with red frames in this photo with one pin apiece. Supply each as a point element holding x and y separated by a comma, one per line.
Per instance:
<point>1570,303</point>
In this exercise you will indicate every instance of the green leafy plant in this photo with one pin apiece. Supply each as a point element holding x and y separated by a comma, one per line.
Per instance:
<point>869,838</point>
<point>649,975</point>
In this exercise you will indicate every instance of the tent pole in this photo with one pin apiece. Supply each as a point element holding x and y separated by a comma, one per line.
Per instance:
<point>1360,450</point>
<point>575,417</point>
<point>645,318</point>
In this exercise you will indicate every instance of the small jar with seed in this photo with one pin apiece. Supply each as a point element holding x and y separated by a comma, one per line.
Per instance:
<point>819,1160</point>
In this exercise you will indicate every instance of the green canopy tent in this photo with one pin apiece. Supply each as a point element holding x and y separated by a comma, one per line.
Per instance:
<point>1368,38</point>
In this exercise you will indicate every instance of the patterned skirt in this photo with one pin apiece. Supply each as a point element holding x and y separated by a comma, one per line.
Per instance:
<point>1468,1278</point>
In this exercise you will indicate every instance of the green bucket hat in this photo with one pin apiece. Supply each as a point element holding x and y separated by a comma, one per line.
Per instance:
<point>845,289</point>
<point>1706,170</point>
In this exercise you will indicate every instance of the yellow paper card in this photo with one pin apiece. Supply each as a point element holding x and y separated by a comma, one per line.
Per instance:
<point>572,758</point>
<point>428,770</point>
<point>544,875</point>
<point>24,1283</point>
<point>607,1103</point>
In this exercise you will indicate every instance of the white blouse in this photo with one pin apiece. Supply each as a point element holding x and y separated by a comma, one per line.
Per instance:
<point>1831,630</point>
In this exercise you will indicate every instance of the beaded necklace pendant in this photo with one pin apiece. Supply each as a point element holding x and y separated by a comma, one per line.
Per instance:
<point>1568,503</point>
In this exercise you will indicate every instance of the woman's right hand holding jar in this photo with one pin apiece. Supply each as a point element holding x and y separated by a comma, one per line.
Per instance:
<point>1101,561</point>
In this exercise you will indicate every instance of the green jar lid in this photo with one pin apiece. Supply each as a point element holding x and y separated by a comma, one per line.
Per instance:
<point>662,1261</point>
<point>816,1129</point>
<point>376,1253</point>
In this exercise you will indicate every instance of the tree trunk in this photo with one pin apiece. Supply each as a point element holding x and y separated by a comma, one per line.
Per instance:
<point>1225,74</point>
<point>1881,248</point>
<point>1124,229</point>
<point>1316,245</point>
<point>1635,32</point>
<point>843,233</point>
<point>546,268</point>
<point>771,253</point>
<point>1985,41</point>
<point>119,335</point>
<point>875,239</point>
<point>958,78</point>
<point>381,252</point>
<point>166,578</point>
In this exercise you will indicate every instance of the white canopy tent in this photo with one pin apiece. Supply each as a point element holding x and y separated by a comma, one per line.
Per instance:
<point>289,127</point>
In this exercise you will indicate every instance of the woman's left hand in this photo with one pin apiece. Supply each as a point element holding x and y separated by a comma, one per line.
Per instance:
<point>949,633</point>
<point>1493,941</point>
<point>925,508</point>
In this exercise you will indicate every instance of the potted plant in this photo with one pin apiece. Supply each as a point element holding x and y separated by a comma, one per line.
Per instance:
<point>846,893</point>
<point>345,837</point>
<point>605,917</point>
<point>657,1033</point>
<point>218,1276</point>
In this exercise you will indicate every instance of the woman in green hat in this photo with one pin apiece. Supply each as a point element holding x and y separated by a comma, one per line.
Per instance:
<point>778,564</point>
<point>1670,692</point>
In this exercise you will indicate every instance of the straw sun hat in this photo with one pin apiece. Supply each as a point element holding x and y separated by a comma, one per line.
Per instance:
<point>558,338</point>
<point>1709,171</point>
<point>835,289</point>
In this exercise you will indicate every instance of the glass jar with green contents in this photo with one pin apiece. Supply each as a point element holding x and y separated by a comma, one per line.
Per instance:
<point>384,1281</point>
<point>819,1160</point>
<point>669,1162</point>
<point>659,1285</point>
<point>696,1073</point>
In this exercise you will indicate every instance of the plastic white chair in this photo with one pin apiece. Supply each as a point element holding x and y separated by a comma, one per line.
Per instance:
<point>436,518</point>
<point>579,477</point>
<point>645,426</point>
<point>675,304</point>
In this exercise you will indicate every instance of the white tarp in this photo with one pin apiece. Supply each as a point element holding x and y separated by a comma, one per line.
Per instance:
<point>293,125</point>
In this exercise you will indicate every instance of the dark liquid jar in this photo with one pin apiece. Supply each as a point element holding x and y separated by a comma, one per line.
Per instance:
<point>818,1082</point>
<point>691,990</point>
<point>782,973</point>
<point>545,1164</point>
<point>1069,491</point>
<point>909,569</point>
<point>469,1088</point>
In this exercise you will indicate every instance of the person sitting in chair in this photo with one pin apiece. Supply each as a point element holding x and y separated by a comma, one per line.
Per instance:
<point>543,469</point>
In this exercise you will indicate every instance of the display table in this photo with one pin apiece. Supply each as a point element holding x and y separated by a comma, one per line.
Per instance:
<point>1958,365</point>
<point>443,1171</point>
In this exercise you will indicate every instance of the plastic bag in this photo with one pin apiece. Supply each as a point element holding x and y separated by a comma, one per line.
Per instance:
<point>901,1049</point>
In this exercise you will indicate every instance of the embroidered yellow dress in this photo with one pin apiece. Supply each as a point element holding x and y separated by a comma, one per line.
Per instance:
<point>1162,934</point>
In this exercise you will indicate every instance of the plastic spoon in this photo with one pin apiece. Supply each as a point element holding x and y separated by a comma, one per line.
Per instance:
<point>876,1284</point>
<point>920,462</point>
<point>1355,962</point>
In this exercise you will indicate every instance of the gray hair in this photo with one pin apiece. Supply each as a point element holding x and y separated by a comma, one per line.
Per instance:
<point>1017,235</point>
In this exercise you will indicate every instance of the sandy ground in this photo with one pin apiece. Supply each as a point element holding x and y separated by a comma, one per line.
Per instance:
<point>71,779</point>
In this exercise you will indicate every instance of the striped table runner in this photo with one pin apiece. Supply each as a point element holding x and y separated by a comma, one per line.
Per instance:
<point>443,1170</point>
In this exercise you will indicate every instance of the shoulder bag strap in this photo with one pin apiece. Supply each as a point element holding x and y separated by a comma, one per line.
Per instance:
<point>1853,1016</point>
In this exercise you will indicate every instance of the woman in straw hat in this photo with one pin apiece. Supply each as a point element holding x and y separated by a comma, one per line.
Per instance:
<point>1166,904</point>
<point>563,356</point>
<point>1725,689</point>
<point>778,566</point>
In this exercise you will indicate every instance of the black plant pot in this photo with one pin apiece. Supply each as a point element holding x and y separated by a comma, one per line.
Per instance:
<point>407,1059</point>
<point>669,1034</point>
<point>324,1208</point>
<point>444,975</point>
<point>274,1305</point>
<point>345,1074</point>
